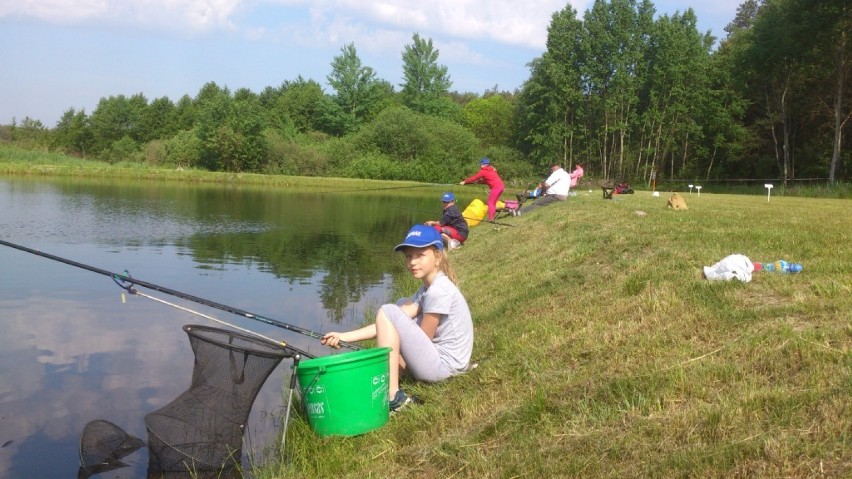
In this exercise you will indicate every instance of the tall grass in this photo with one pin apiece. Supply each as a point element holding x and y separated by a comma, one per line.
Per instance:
<point>605,353</point>
<point>18,162</point>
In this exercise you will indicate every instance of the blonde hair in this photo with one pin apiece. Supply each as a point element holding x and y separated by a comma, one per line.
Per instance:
<point>445,267</point>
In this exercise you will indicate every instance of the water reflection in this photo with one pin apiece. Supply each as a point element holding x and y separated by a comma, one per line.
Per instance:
<point>72,351</point>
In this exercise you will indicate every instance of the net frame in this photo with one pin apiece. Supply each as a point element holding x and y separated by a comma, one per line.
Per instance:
<point>202,429</point>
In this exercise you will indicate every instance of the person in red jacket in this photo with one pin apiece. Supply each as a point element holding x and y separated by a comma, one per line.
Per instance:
<point>488,174</point>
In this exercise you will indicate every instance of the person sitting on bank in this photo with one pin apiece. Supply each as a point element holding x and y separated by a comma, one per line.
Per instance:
<point>575,177</point>
<point>555,188</point>
<point>431,333</point>
<point>452,226</point>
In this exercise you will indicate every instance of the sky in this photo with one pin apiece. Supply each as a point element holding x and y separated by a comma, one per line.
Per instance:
<point>62,54</point>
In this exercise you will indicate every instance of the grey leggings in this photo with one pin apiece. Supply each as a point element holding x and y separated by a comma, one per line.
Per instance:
<point>543,201</point>
<point>419,352</point>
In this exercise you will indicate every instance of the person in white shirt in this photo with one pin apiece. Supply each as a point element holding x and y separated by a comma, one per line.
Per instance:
<point>555,188</point>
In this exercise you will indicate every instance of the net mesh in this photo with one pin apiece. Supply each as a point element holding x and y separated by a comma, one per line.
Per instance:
<point>102,445</point>
<point>202,429</point>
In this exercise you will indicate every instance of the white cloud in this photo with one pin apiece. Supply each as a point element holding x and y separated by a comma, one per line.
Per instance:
<point>459,52</point>
<point>54,11</point>
<point>194,15</point>
<point>504,21</point>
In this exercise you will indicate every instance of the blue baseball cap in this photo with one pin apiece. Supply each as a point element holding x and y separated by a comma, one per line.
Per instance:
<point>485,161</point>
<point>421,236</point>
<point>448,196</point>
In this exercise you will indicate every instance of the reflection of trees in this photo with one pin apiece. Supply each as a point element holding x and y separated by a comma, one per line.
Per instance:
<point>295,235</point>
<point>349,267</point>
<point>345,239</point>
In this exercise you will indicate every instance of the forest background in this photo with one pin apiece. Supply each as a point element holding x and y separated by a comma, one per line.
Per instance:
<point>627,94</point>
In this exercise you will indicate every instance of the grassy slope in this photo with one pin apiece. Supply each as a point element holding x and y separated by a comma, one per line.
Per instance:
<point>606,353</point>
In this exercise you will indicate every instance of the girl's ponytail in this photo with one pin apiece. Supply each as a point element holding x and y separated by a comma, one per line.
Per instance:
<point>445,266</point>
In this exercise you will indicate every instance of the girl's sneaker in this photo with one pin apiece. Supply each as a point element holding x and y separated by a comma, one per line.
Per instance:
<point>401,400</point>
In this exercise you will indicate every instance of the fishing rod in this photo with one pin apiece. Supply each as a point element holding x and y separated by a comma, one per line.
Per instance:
<point>366,190</point>
<point>465,217</point>
<point>129,281</point>
<point>281,344</point>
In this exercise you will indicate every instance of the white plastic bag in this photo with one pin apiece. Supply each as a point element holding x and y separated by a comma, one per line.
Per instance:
<point>730,267</point>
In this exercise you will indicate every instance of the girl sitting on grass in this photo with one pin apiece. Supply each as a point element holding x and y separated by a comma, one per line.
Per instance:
<point>431,333</point>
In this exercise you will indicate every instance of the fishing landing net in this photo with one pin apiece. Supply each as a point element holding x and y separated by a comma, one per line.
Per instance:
<point>102,445</point>
<point>202,429</point>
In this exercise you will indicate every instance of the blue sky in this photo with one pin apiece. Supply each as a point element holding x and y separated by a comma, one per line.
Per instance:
<point>59,54</point>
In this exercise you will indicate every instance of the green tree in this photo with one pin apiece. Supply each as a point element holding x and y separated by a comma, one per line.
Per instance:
<point>827,53</point>
<point>357,91</point>
<point>186,113</point>
<point>213,107</point>
<point>744,19</point>
<point>231,129</point>
<point>721,112</point>
<point>117,117</point>
<point>426,83</point>
<point>304,102</point>
<point>30,133</point>
<point>72,133</point>
<point>247,120</point>
<point>409,145</point>
<point>617,39</point>
<point>184,149</point>
<point>677,88</point>
<point>491,119</point>
<point>793,65</point>
<point>551,101</point>
<point>158,120</point>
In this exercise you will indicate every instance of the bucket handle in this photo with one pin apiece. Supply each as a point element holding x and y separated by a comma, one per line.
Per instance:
<point>320,372</point>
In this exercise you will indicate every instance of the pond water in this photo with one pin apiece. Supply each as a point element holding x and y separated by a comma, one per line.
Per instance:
<point>72,351</point>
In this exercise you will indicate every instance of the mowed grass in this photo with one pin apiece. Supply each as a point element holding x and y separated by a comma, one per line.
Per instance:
<point>604,353</point>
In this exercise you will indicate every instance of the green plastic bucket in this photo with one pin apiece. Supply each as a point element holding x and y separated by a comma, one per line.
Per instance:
<point>346,394</point>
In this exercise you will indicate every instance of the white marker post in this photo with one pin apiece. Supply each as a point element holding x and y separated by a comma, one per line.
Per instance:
<point>699,189</point>
<point>768,187</point>
<point>690,189</point>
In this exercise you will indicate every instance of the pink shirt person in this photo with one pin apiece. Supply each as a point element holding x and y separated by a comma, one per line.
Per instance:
<point>576,175</point>
<point>488,174</point>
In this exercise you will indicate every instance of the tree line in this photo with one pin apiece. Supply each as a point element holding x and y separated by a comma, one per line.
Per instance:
<point>625,91</point>
<point>632,94</point>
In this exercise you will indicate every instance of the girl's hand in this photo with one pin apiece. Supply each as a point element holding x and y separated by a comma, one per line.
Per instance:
<point>461,182</point>
<point>331,340</point>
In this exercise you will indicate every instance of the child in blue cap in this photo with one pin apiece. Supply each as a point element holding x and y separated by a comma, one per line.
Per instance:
<point>431,333</point>
<point>452,226</point>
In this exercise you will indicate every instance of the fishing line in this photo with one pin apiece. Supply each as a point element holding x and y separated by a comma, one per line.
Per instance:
<point>129,282</point>
<point>365,190</point>
<point>282,344</point>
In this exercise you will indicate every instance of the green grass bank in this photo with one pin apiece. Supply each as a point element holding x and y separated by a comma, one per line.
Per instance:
<point>604,352</point>
<point>18,162</point>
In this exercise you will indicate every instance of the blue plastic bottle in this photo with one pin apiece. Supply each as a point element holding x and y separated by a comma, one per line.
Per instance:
<point>782,266</point>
